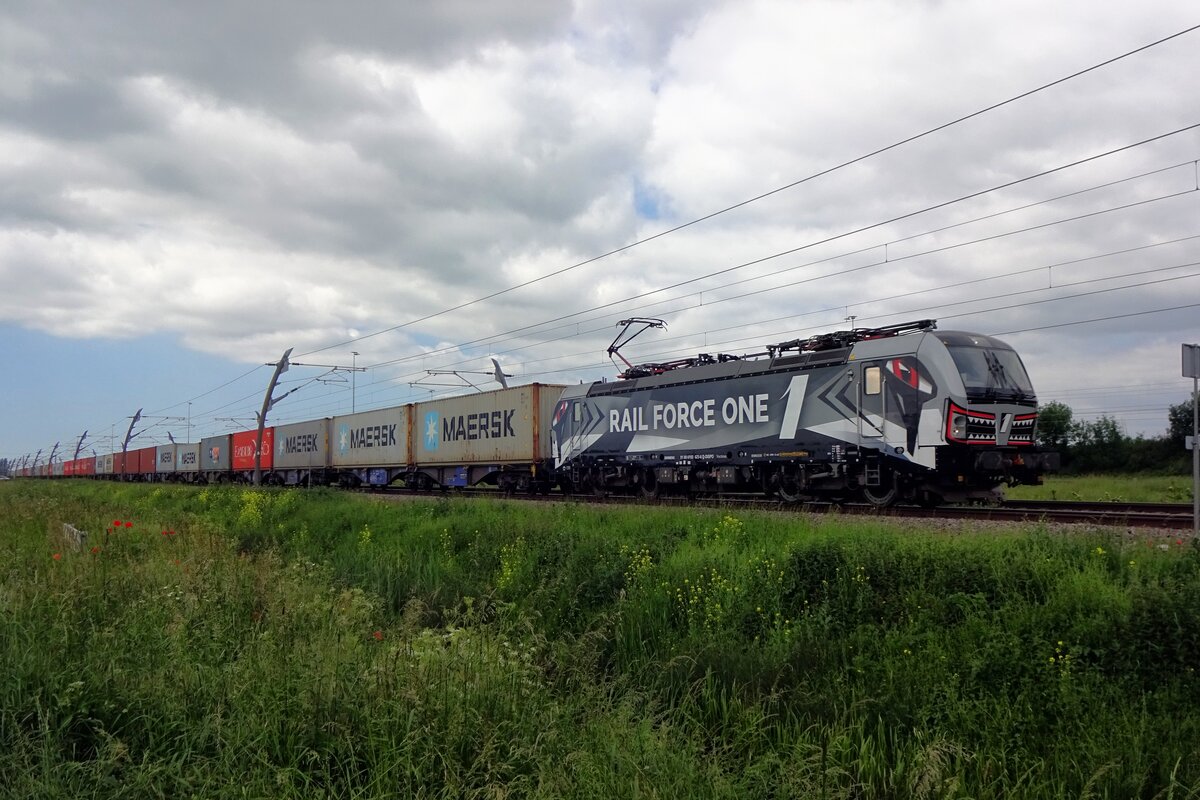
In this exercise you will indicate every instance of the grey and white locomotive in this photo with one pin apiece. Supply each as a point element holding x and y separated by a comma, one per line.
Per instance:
<point>899,413</point>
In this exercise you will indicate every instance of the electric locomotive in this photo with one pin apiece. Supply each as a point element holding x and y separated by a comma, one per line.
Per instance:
<point>903,413</point>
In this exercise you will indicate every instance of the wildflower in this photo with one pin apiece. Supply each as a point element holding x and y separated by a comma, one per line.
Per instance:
<point>116,523</point>
<point>378,636</point>
<point>128,524</point>
<point>1179,541</point>
<point>96,550</point>
<point>57,556</point>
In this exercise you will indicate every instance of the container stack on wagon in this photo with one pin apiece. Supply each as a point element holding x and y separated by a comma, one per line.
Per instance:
<point>371,447</point>
<point>499,438</point>
<point>301,453</point>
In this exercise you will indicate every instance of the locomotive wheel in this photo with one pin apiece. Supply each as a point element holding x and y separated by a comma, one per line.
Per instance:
<point>594,482</point>
<point>788,488</point>
<point>649,484</point>
<point>884,494</point>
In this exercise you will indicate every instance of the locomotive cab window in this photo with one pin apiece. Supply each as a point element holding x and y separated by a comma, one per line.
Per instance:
<point>577,412</point>
<point>872,380</point>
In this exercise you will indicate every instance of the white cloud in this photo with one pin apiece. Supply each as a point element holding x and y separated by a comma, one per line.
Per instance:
<point>264,182</point>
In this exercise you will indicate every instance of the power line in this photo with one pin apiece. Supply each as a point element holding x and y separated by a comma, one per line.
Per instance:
<point>756,198</point>
<point>835,237</point>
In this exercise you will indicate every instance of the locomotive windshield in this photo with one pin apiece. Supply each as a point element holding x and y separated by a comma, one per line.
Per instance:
<point>991,373</point>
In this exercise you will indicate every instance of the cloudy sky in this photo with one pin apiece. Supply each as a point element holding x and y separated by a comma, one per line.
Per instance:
<point>187,190</point>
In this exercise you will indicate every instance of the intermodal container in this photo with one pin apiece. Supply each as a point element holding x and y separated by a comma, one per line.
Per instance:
<point>146,458</point>
<point>164,460</point>
<point>56,469</point>
<point>303,445</point>
<point>68,469</point>
<point>118,465</point>
<point>371,438</point>
<point>86,466</point>
<point>244,446</point>
<point>506,426</point>
<point>216,453</point>
<point>187,457</point>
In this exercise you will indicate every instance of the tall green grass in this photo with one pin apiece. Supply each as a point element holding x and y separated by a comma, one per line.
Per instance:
<point>1108,488</point>
<point>306,644</point>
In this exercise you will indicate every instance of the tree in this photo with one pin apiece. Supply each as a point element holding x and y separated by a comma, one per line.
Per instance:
<point>1099,446</point>
<point>1054,425</point>
<point>1179,422</point>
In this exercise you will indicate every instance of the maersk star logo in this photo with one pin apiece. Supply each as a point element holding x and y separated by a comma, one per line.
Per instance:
<point>431,430</point>
<point>343,437</point>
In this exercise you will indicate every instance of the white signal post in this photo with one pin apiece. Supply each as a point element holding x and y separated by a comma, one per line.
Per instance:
<point>1191,369</point>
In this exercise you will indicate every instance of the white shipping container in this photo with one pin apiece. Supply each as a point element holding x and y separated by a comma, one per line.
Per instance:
<point>303,445</point>
<point>506,426</point>
<point>164,458</point>
<point>187,457</point>
<point>371,438</point>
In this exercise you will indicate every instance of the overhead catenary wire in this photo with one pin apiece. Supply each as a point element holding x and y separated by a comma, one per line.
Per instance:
<point>756,198</point>
<point>847,234</point>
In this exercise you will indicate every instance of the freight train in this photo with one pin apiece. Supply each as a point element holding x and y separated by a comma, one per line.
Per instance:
<point>903,413</point>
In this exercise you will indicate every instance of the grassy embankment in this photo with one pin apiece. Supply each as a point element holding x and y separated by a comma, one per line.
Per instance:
<point>1105,488</point>
<point>290,644</point>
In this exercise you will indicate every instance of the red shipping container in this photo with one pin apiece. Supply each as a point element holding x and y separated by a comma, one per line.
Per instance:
<point>68,469</point>
<point>118,464</point>
<point>147,457</point>
<point>86,466</point>
<point>243,449</point>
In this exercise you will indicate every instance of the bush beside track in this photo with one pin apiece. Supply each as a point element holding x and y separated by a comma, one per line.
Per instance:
<point>238,642</point>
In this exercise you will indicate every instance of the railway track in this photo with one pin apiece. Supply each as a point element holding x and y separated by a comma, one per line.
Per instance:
<point>1161,516</point>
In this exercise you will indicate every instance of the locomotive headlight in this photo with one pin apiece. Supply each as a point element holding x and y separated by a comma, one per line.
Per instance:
<point>958,426</point>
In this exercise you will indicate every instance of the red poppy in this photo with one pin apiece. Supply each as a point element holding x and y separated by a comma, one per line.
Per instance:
<point>95,549</point>
<point>116,523</point>
<point>57,556</point>
<point>128,524</point>
<point>378,636</point>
